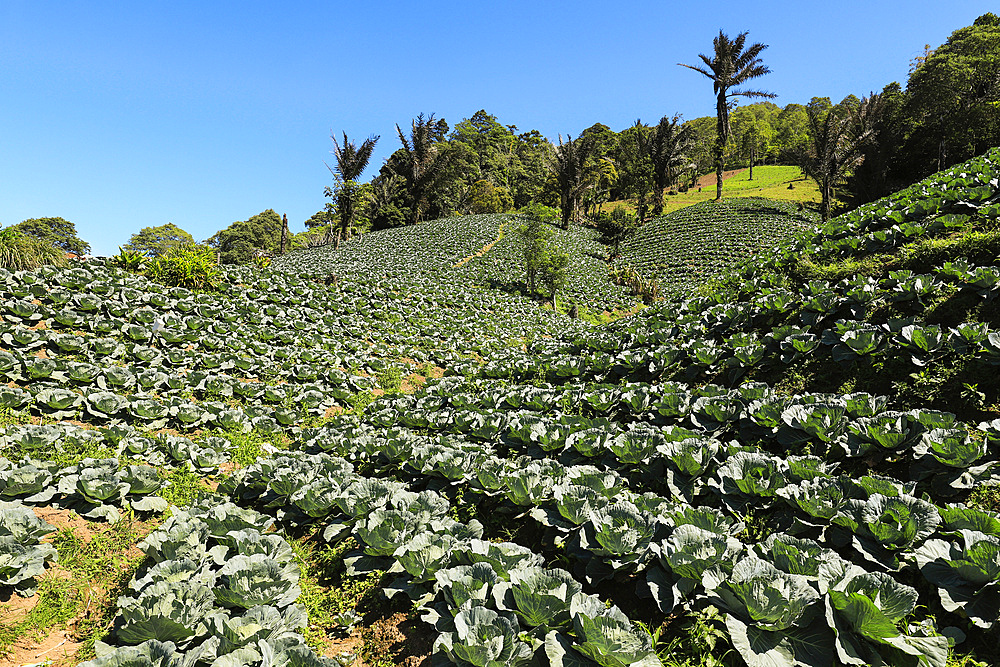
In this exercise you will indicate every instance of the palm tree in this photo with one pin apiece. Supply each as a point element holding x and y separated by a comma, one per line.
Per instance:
<point>351,162</point>
<point>837,139</point>
<point>731,66</point>
<point>421,163</point>
<point>573,168</point>
<point>666,144</point>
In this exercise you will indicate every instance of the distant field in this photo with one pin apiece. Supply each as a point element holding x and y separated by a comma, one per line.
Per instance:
<point>768,181</point>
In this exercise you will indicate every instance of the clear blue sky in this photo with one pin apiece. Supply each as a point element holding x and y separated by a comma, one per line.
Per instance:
<point>122,115</point>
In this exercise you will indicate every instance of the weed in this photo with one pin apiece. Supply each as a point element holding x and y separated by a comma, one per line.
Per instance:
<point>85,587</point>
<point>696,639</point>
<point>184,486</point>
<point>985,497</point>
<point>390,379</point>
<point>360,401</point>
<point>327,593</point>
<point>11,417</point>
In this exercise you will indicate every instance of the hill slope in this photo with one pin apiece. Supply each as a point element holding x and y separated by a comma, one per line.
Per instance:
<point>683,249</point>
<point>785,466</point>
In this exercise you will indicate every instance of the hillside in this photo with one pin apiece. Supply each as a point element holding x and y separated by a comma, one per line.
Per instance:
<point>683,249</point>
<point>792,463</point>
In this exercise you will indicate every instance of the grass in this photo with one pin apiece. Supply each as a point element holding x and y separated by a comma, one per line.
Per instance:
<point>768,181</point>
<point>328,593</point>
<point>93,570</point>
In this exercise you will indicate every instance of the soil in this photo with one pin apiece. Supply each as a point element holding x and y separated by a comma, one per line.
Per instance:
<point>65,519</point>
<point>407,640</point>
<point>351,644</point>
<point>59,648</point>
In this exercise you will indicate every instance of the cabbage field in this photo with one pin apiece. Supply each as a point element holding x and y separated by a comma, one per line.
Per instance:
<point>791,460</point>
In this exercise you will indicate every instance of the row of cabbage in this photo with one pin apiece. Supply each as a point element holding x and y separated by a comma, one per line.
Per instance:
<point>491,603</point>
<point>686,247</point>
<point>852,426</point>
<point>23,555</point>
<point>943,201</point>
<point>690,554</point>
<point>216,589</point>
<point>701,338</point>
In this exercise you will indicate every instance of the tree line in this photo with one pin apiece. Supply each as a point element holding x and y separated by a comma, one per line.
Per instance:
<point>857,150</point>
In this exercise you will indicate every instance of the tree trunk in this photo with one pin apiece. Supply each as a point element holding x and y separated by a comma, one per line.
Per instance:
<point>825,205</point>
<point>284,232</point>
<point>722,135</point>
<point>752,151</point>
<point>720,147</point>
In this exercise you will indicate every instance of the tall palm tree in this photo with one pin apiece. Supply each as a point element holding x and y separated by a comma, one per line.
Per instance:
<point>421,163</point>
<point>730,66</point>
<point>573,167</point>
<point>666,145</point>
<point>351,162</point>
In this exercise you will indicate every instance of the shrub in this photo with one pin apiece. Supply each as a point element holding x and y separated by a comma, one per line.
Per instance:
<point>190,267</point>
<point>19,252</point>
<point>129,260</point>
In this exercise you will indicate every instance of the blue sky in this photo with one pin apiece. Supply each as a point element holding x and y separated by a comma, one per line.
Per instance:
<point>119,116</point>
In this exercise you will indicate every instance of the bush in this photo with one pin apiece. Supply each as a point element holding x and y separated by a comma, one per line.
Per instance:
<point>129,260</point>
<point>19,252</point>
<point>190,267</point>
<point>540,212</point>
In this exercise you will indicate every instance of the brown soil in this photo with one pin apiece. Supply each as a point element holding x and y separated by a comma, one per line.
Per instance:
<point>407,640</point>
<point>351,644</point>
<point>65,519</point>
<point>59,647</point>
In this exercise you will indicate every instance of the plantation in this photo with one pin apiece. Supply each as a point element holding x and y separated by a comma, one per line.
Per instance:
<point>791,458</point>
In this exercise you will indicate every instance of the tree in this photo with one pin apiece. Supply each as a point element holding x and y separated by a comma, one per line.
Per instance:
<point>545,264</point>
<point>631,156</point>
<point>484,197</point>
<point>243,240</point>
<point>730,66</point>
<point>879,173</point>
<point>421,162</point>
<point>572,167</point>
<point>837,138</point>
<point>616,227</point>
<point>754,135</point>
<point>158,241</point>
<point>667,144</point>
<point>351,162</point>
<point>791,132</point>
<point>322,218</point>
<point>953,105</point>
<point>535,236</point>
<point>56,231</point>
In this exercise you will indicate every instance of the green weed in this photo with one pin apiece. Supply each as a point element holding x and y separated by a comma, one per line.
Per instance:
<point>390,379</point>
<point>91,574</point>
<point>184,486</point>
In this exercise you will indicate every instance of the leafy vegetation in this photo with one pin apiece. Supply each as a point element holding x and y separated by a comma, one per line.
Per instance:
<point>789,459</point>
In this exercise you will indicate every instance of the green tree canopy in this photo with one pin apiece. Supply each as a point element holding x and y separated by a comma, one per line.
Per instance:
<point>241,241</point>
<point>484,197</point>
<point>158,241</point>
<point>57,231</point>
<point>954,99</point>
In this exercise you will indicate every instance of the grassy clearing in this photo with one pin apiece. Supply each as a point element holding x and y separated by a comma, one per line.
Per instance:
<point>771,182</point>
